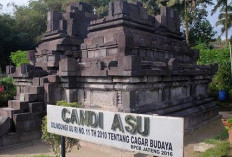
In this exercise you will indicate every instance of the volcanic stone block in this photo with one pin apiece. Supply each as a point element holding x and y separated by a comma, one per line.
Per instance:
<point>128,101</point>
<point>53,18</point>
<point>31,56</point>
<point>53,78</point>
<point>36,107</point>
<point>5,125</point>
<point>36,81</point>
<point>35,90</point>
<point>68,66</point>
<point>16,104</point>
<point>43,80</point>
<point>10,139</point>
<point>8,112</point>
<point>26,122</point>
<point>118,7</point>
<point>53,92</point>
<point>1,142</point>
<point>130,62</point>
<point>17,138</point>
<point>10,69</point>
<point>71,95</point>
<point>34,97</point>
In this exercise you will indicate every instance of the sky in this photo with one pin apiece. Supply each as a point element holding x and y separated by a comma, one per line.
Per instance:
<point>6,9</point>
<point>212,19</point>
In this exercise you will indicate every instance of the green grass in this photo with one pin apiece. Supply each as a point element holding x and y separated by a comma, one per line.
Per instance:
<point>223,136</point>
<point>222,146</point>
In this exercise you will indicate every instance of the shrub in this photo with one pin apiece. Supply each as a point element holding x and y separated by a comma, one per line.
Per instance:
<point>8,90</point>
<point>222,80</point>
<point>19,57</point>
<point>53,139</point>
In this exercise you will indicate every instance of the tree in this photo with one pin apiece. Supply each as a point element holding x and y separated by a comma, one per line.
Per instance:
<point>186,8</point>
<point>11,39</point>
<point>200,29</point>
<point>225,10</point>
<point>31,20</point>
<point>226,25</point>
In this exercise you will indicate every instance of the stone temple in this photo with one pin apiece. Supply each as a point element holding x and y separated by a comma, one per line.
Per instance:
<point>127,61</point>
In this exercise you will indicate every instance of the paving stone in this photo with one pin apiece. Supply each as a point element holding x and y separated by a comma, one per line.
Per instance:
<point>202,147</point>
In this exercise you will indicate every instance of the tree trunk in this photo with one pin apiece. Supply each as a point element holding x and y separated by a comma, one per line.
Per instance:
<point>226,21</point>
<point>186,21</point>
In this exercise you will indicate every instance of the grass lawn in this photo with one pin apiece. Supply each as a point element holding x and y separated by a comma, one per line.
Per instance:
<point>221,149</point>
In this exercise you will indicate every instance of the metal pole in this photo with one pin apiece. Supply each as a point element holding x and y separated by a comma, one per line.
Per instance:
<point>62,140</point>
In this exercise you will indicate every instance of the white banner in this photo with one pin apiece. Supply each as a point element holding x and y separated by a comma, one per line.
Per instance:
<point>156,135</point>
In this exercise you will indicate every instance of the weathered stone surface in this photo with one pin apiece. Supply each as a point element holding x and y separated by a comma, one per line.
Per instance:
<point>8,112</point>
<point>26,122</point>
<point>19,105</point>
<point>34,89</point>
<point>34,97</point>
<point>16,138</point>
<point>68,67</point>
<point>5,125</point>
<point>10,69</point>
<point>36,107</point>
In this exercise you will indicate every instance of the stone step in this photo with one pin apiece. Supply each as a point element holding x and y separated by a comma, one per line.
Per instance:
<point>39,81</point>
<point>27,122</point>
<point>36,107</point>
<point>17,104</point>
<point>17,138</point>
<point>5,125</point>
<point>34,90</point>
<point>28,97</point>
<point>8,112</point>
<point>195,115</point>
<point>195,109</point>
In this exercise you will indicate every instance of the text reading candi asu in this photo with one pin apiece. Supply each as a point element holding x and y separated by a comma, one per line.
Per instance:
<point>156,135</point>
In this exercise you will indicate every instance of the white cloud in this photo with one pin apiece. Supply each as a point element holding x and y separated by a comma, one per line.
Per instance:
<point>8,9</point>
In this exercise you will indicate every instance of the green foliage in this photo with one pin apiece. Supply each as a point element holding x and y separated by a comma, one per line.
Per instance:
<point>230,121</point>
<point>19,57</point>
<point>12,39</point>
<point>200,29</point>
<point>9,90</point>
<point>221,148</point>
<point>225,16</point>
<point>222,80</point>
<point>68,104</point>
<point>53,139</point>
<point>210,56</point>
